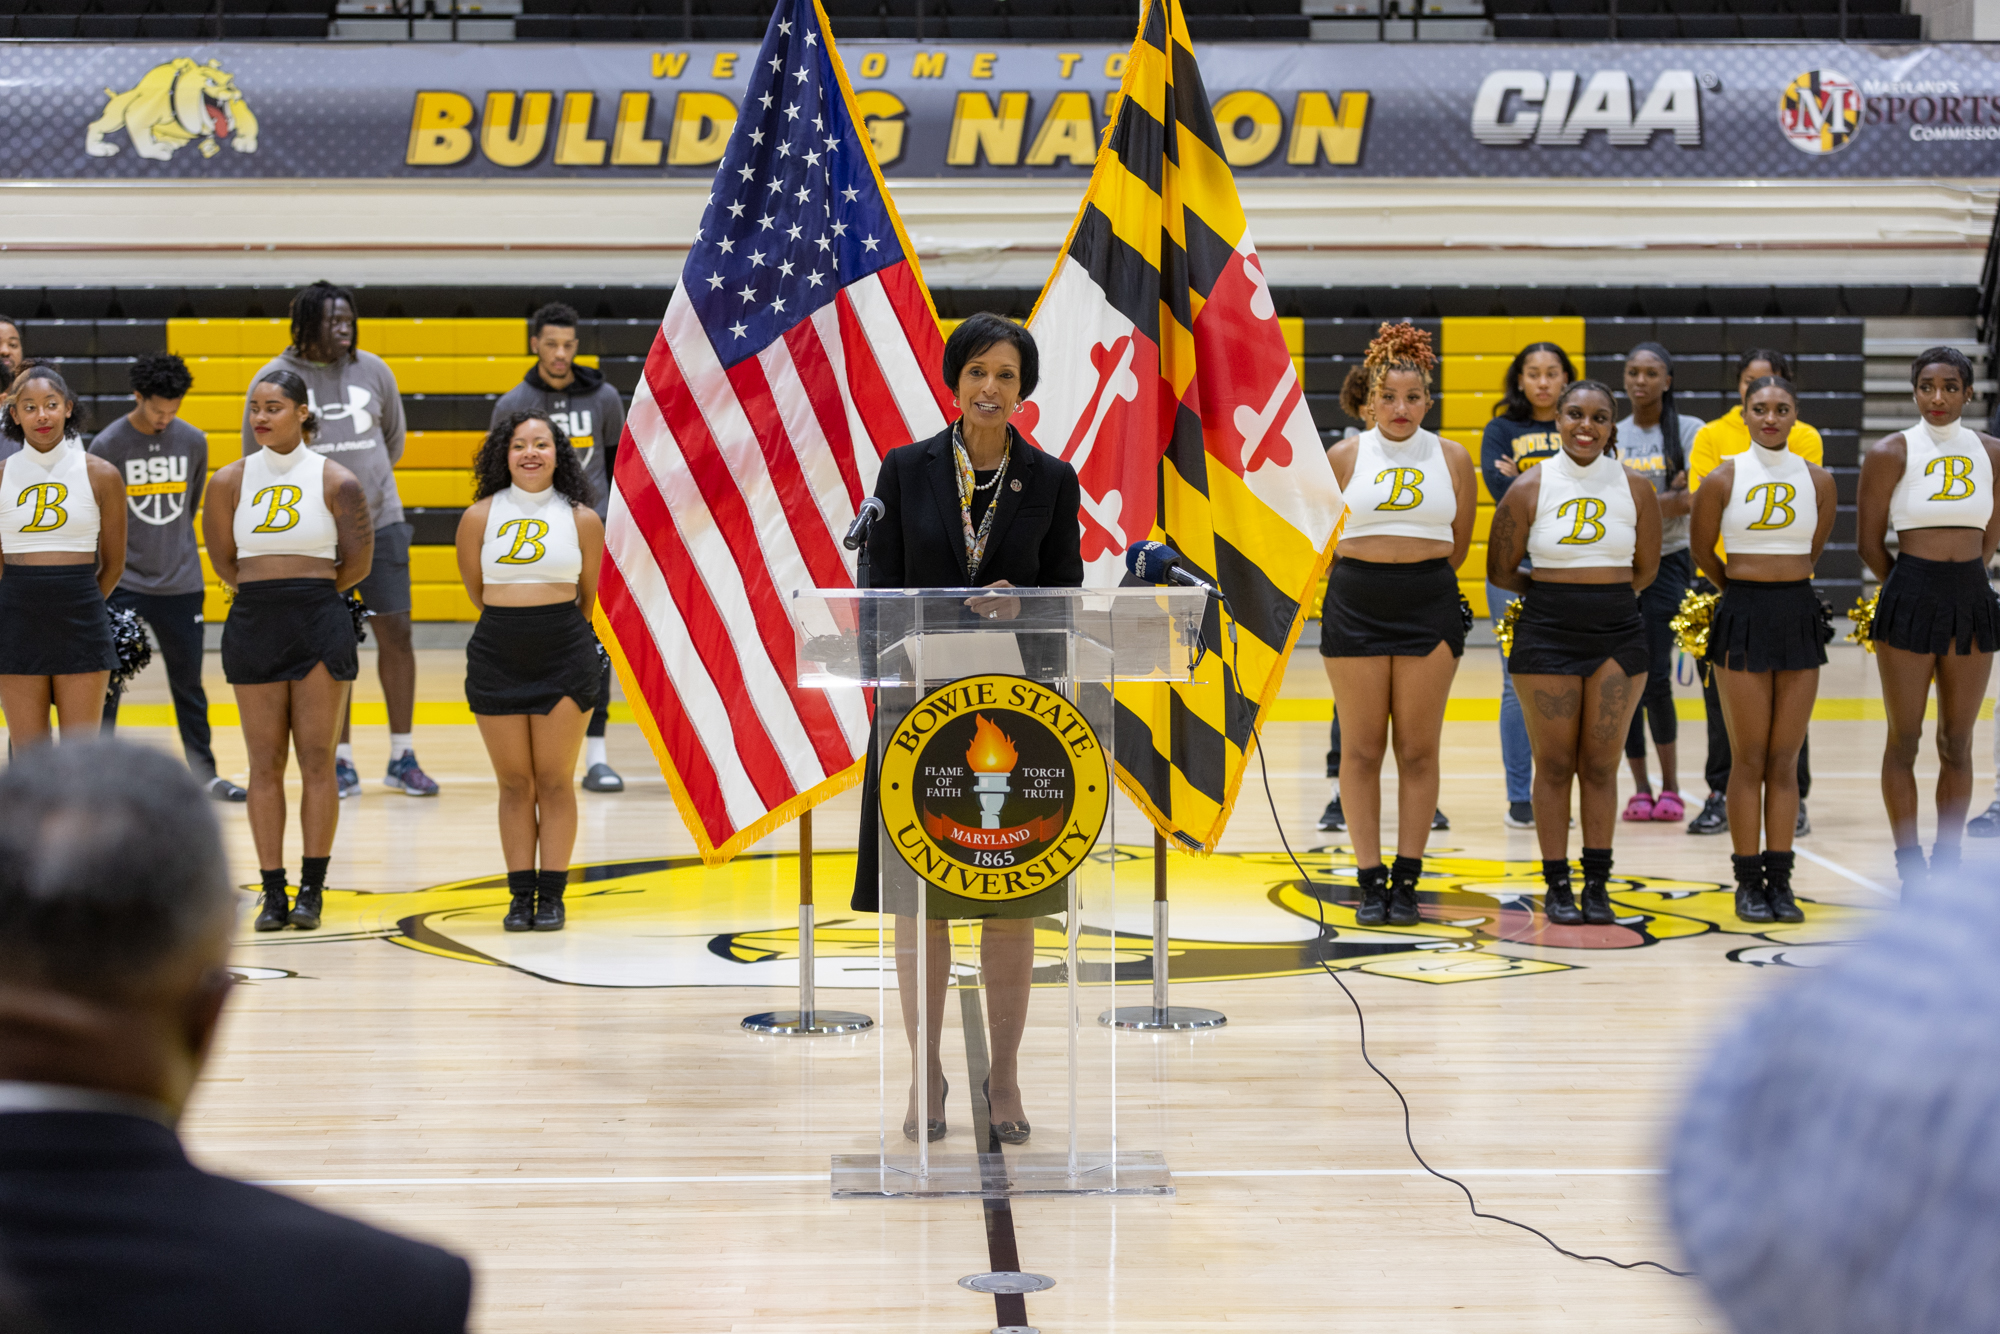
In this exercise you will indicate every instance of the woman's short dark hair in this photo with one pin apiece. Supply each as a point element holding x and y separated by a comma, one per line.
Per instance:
<point>1941,356</point>
<point>973,336</point>
<point>291,386</point>
<point>1515,406</point>
<point>161,375</point>
<point>30,372</point>
<point>1779,363</point>
<point>489,467</point>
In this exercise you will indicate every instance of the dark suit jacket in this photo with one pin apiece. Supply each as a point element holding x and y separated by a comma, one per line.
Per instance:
<point>105,1226</point>
<point>920,543</point>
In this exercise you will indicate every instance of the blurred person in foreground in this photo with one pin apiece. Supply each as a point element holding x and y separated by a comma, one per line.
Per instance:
<point>112,985</point>
<point>1835,1170</point>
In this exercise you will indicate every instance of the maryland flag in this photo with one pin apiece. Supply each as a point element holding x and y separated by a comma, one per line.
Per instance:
<point>1189,427</point>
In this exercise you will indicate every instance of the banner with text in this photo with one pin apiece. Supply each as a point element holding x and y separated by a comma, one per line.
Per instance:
<point>951,109</point>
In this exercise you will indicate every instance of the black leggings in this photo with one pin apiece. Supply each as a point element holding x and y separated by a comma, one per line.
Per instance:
<point>1657,606</point>
<point>601,715</point>
<point>175,620</point>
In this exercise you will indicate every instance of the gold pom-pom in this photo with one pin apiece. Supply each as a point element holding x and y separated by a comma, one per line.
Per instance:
<point>1691,622</point>
<point>1504,631</point>
<point>1863,617</point>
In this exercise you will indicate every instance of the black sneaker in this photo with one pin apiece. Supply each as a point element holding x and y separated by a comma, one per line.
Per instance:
<point>1440,820</point>
<point>1714,817</point>
<point>520,912</point>
<point>1986,824</point>
<point>221,789</point>
<point>305,911</point>
<point>276,912</point>
<point>1520,815</point>
<point>1801,826</point>
<point>1597,909</point>
<point>1372,906</point>
<point>1334,822</point>
<point>1559,906</point>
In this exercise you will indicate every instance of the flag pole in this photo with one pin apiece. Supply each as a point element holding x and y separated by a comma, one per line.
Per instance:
<point>807,1020</point>
<point>1160,1017</point>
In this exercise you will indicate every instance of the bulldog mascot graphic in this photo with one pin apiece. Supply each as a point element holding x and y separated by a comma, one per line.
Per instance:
<point>176,103</point>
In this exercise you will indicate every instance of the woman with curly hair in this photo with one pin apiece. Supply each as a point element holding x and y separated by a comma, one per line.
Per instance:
<point>287,528</point>
<point>529,550</point>
<point>1579,655</point>
<point>1936,618</point>
<point>1392,631</point>
<point>1760,521</point>
<point>62,541</point>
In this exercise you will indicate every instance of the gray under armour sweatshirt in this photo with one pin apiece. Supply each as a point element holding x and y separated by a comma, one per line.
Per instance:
<point>360,422</point>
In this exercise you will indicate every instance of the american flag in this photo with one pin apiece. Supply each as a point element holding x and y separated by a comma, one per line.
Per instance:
<point>798,349</point>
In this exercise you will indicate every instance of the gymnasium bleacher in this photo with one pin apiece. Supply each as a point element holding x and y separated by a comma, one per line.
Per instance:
<point>454,350</point>
<point>1703,20</point>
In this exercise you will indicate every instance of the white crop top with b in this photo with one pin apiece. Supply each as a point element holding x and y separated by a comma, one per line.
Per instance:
<point>1772,508</point>
<point>530,539</point>
<point>1947,480</point>
<point>1400,488</point>
<point>46,503</point>
<point>1584,517</point>
<point>282,509</point>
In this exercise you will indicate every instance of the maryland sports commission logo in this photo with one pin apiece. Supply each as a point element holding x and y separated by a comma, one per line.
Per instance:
<point>993,787</point>
<point>175,104</point>
<point>1820,111</point>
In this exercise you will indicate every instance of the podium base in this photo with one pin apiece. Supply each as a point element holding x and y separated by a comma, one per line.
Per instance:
<point>791,1023</point>
<point>1172,1019</point>
<point>998,1176</point>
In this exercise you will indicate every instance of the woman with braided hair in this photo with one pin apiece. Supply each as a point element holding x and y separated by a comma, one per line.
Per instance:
<point>1392,629</point>
<point>1579,656</point>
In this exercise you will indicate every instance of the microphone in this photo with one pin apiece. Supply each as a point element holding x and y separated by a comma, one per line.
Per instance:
<point>1158,563</point>
<point>857,532</point>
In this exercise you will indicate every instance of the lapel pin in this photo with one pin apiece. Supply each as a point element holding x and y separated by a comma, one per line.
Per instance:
<point>1015,484</point>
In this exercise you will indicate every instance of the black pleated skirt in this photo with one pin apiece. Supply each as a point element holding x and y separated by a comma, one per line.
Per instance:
<point>1937,607</point>
<point>1767,627</point>
<point>280,629</point>
<point>1572,629</point>
<point>529,659</point>
<point>54,622</point>
<point>1380,609</point>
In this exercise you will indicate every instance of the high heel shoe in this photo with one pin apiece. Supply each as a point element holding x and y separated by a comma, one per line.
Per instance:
<point>1010,1132</point>
<point>934,1128</point>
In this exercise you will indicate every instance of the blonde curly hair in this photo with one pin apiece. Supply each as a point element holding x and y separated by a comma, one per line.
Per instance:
<point>1399,347</point>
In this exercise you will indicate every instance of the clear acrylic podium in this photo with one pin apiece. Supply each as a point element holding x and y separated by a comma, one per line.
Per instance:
<point>992,802</point>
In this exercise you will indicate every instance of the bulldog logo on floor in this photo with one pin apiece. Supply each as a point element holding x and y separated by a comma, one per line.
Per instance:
<point>671,922</point>
<point>993,787</point>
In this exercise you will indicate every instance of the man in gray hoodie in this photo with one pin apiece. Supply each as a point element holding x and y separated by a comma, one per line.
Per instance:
<point>592,415</point>
<point>361,428</point>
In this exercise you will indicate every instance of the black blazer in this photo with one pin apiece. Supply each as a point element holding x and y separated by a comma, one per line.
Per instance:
<point>920,542</point>
<point>106,1226</point>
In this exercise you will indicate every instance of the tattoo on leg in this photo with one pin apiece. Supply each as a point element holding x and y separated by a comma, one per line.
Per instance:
<point>1558,703</point>
<point>1611,709</point>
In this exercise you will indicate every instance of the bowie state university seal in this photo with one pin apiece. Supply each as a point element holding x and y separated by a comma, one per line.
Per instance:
<point>994,787</point>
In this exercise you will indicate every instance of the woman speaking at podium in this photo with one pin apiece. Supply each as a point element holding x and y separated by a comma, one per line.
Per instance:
<point>974,506</point>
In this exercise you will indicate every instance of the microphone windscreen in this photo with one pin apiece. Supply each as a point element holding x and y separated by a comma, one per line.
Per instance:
<point>1151,561</point>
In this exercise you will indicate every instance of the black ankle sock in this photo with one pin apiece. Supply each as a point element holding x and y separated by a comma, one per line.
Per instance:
<point>312,872</point>
<point>1555,871</point>
<point>1750,870</point>
<point>1944,857</point>
<point>551,883</point>
<point>521,882</point>
<point>1910,865</point>
<point>274,881</point>
<point>1778,867</point>
<point>1597,864</point>
<point>1406,870</point>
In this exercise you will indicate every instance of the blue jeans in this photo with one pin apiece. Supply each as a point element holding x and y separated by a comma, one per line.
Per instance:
<point>1516,756</point>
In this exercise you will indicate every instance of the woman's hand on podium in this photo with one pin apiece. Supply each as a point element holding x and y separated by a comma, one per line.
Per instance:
<point>996,609</point>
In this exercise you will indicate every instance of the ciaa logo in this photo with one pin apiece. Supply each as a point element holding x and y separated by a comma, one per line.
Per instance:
<point>1820,111</point>
<point>1516,106</point>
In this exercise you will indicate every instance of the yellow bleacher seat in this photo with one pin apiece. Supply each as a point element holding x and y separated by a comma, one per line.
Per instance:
<point>1466,415</point>
<point>1480,373</point>
<point>1475,593</point>
<point>228,338</point>
<point>445,338</point>
<point>219,414</point>
<point>439,449</point>
<point>1506,335</point>
<point>433,565</point>
<point>1295,335</point>
<point>435,488</point>
<point>440,602</point>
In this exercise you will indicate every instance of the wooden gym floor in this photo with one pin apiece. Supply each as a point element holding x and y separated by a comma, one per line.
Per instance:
<point>581,1115</point>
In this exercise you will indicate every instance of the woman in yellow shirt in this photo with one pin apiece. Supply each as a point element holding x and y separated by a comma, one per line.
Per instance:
<point>1728,435</point>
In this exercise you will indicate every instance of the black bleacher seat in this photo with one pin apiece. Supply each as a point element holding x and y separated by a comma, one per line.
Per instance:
<point>1325,375</point>
<point>1740,335</point>
<point>1836,372</point>
<point>1687,334</point>
<point>130,338</point>
<point>1647,27</point>
<point>1843,450</point>
<point>79,373</point>
<point>1220,27</point>
<point>1582,27</point>
<point>45,26</point>
<point>1709,27</point>
<point>61,338</point>
<point>1337,338</point>
<point>720,28</point>
<point>1280,27</point>
<point>1704,373</point>
<point>1829,335</point>
<point>1561,7</point>
<point>542,28</point>
<point>1892,27</point>
<point>1840,411</point>
<point>1771,27</point>
<point>1819,27</point>
<point>1703,407</point>
<point>107,27</point>
<point>1875,301</point>
<point>1106,28</point>
<point>1807,301</point>
<point>1615,336</point>
<point>1524,27</point>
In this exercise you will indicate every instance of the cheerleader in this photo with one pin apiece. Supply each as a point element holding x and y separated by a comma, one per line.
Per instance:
<point>1392,631</point>
<point>1579,657</point>
<point>1772,512</point>
<point>1936,617</point>
<point>62,541</point>
<point>288,530</point>
<point>528,551</point>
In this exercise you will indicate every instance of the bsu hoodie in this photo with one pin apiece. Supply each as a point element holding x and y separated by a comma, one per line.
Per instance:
<point>590,413</point>
<point>360,422</point>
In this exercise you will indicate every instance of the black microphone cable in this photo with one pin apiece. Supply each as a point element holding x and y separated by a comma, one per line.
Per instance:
<point>1409,1136</point>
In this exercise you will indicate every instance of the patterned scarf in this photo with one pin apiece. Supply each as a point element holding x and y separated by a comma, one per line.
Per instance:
<point>975,541</point>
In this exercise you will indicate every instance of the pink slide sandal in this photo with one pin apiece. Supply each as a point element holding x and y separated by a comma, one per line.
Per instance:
<point>1667,807</point>
<point>1641,807</point>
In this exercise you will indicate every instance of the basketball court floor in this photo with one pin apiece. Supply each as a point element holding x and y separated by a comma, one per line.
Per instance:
<point>583,1117</point>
